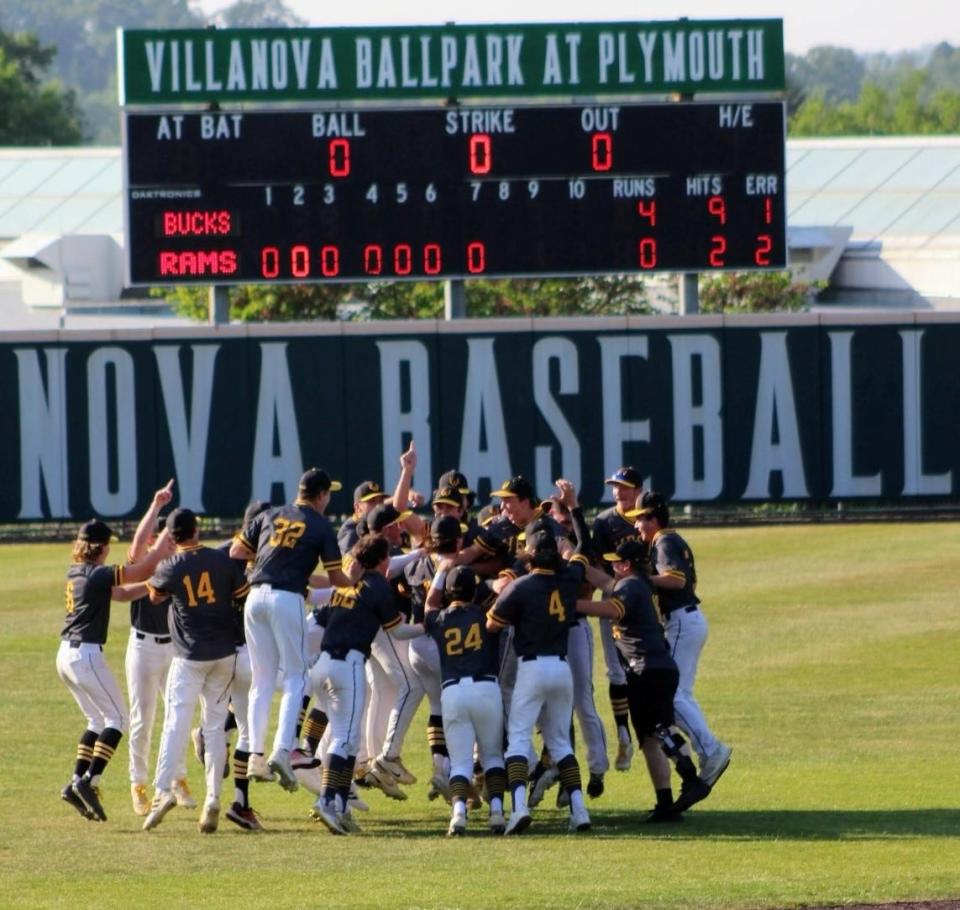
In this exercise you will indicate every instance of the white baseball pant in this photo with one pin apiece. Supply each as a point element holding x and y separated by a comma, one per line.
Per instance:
<point>340,686</point>
<point>86,674</point>
<point>240,697</point>
<point>472,712</point>
<point>425,663</point>
<point>393,656</point>
<point>544,689</point>
<point>580,659</point>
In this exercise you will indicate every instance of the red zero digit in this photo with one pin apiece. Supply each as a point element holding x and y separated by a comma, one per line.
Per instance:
<point>402,259</point>
<point>716,206</point>
<point>269,262</point>
<point>300,261</point>
<point>373,259</point>
<point>432,261</point>
<point>647,249</point>
<point>716,252</point>
<point>761,255</point>
<point>648,210</point>
<point>329,261</point>
<point>481,154</point>
<point>339,151</point>
<point>602,152</point>
<point>476,257</point>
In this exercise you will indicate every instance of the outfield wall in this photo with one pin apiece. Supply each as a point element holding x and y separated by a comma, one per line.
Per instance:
<point>717,410</point>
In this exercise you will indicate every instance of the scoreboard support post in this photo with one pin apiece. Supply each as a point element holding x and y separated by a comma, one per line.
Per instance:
<point>454,300</point>
<point>219,305</point>
<point>689,294</point>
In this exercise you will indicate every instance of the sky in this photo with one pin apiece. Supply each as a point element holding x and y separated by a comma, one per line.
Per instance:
<point>863,25</point>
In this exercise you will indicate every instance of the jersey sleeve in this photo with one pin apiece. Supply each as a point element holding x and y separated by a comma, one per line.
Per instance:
<point>250,535</point>
<point>330,554</point>
<point>504,611</point>
<point>241,585</point>
<point>385,607</point>
<point>670,558</point>
<point>162,579</point>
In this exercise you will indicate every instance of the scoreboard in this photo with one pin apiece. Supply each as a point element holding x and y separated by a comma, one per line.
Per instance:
<point>441,192</point>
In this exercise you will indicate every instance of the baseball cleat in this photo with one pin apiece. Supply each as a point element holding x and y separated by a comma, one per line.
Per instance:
<point>691,792</point>
<point>474,798</point>
<point>279,764</point>
<point>396,767</point>
<point>199,747</point>
<point>71,799</point>
<point>712,769</point>
<point>138,795</point>
<point>458,826</point>
<point>382,778</point>
<point>90,795</point>
<point>543,783</point>
<point>310,778</point>
<point>497,823</point>
<point>624,755</point>
<point>661,815</point>
<point>244,817</point>
<point>595,785</point>
<point>439,786</point>
<point>355,802</point>
<point>579,820</point>
<point>181,792</point>
<point>563,798</point>
<point>210,817</point>
<point>325,813</point>
<point>519,822</point>
<point>163,802</point>
<point>348,822</point>
<point>257,768</point>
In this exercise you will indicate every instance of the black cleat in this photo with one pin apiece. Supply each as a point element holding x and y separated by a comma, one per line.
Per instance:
<point>71,799</point>
<point>87,792</point>
<point>661,815</point>
<point>691,793</point>
<point>595,786</point>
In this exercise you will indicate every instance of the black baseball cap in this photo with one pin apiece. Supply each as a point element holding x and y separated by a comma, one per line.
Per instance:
<point>368,491</point>
<point>446,527</point>
<point>626,477</point>
<point>517,486</point>
<point>182,524</point>
<point>540,538</point>
<point>316,481</point>
<point>384,515</point>
<point>631,550</point>
<point>254,509</point>
<point>649,503</point>
<point>456,479</point>
<point>450,495</point>
<point>460,584</point>
<point>487,515</point>
<point>95,531</point>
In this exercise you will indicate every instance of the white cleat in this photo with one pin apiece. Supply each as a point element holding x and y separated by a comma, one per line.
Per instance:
<point>382,778</point>
<point>163,802</point>
<point>519,822</point>
<point>348,822</point>
<point>497,823</point>
<point>181,791</point>
<point>355,802</point>
<point>257,769</point>
<point>579,820</point>
<point>396,767</point>
<point>716,764</point>
<point>458,826</point>
<point>543,783</point>
<point>624,756</point>
<point>210,817</point>
<point>279,764</point>
<point>325,813</point>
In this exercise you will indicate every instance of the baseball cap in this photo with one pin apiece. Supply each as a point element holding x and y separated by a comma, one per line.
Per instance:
<point>648,503</point>
<point>626,477</point>
<point>446,527</point>
<point>316,481</point>
<point>384,515</point>
<point>95,531</point>
<point>254,509</point>
<point>367,491</point>
<point>631,550</point>
<point>456,479</point>
<point>517,486</point>
<point>449,495</point>
<point>487,515</point>
<point>182,524</point>
<point>540,538</point>
<point>460,584</point>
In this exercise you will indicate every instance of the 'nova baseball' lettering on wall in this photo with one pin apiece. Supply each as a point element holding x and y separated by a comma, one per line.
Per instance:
<point>710,410</point>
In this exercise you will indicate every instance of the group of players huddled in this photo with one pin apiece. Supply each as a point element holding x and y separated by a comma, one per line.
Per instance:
<point>484,615</point>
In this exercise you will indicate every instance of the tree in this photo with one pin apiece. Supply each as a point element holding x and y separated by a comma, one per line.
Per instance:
<point>33,111</point>
<point>753,292</point>
<point>258,14</point>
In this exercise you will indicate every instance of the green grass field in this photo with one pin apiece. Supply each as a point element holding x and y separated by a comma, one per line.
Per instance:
<point>832,668</point>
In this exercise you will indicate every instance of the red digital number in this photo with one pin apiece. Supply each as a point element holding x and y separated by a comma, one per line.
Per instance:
<point>481,154</point>
<point>602,152</point>
<point>373,259</point>
<point>647,249</point>
<point>718,208</point>
<point>648,210</point>
<point>330,261</point>
<point>768,210</point>
<point>761,255</point>
<point>717,251</point>
<point>476,257</point>
<point>402,259</point>
<point>339,152</point>
<point>269,262</point>
<point>432,260</point>
<point>300,261</point>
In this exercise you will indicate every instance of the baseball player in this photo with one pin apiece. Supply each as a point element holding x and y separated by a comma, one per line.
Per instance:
<point>350,622</point>
<point>674,579</point>
<point>651,677</point>
<point>471,704</point>
<point>203,585</point>
<point>541,608</point>
<point>90,586</point>
<point>147,661</point>
<point>609,528</point>
<point>285,543</point>
<point>365,497</point>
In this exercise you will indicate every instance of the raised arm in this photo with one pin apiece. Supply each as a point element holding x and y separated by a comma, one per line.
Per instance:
<point>141,537</point>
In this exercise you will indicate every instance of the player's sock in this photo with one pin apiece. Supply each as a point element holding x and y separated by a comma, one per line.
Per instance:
<point>517,781</point>
<point>103,750</point>
<point>301,717</point>
<point>84,753</point>
<point>435,738</point>
<point>458,791</point>
<point>620,704</point>
<point>664,798</point>
<point>344,780</point>
<point>241,785</point>
<point>569,769</point>
<point>335,771</point>
<point>496,780</point>
<point>313,729</point>
<point>686,768</point>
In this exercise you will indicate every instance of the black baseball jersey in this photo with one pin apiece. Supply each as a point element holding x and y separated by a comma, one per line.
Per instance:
<point>637,631</point>
<point>671,556</point>
<point>88,591</point>
<point>354,615</point>
<point>419,576</point>
<point>203,585</point>
<point>348,535</point>
<point>466,647</point>
<point>610,528</point>
<point>147,617</point>
<point>499,538</point>
<point>240,636</point>
<point>541,607</point>
<point>289,541</point>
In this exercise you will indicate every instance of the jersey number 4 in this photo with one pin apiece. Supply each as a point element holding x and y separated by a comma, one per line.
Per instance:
<point>203,589</point>
<point>457,642</point>
<point>556,607</point>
